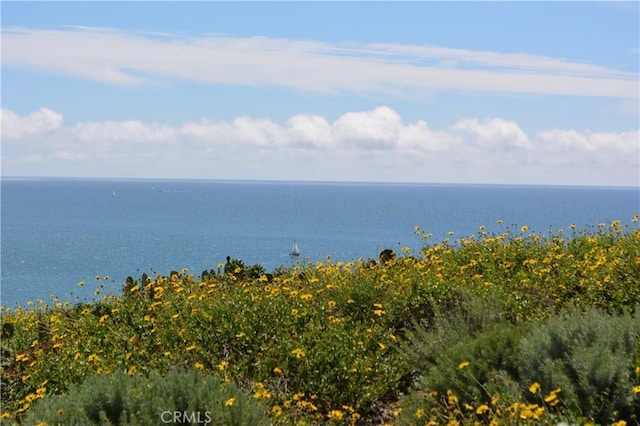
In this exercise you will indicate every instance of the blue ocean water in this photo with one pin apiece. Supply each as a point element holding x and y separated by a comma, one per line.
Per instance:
<point>58,232</point>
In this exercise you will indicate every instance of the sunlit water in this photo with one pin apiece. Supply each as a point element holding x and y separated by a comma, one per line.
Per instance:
<point>58,232</point>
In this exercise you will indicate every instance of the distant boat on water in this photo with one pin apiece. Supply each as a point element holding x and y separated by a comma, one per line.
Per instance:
<point>295,251</point>
<point>113,193</point>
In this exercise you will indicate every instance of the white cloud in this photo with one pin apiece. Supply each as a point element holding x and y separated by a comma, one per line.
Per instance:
<point>119,57</point>
<point>493,133</point>
<point>130,131</point>
<point>358,145</point>
<point>37,123</point>
<point>619,149</point>
<point>309,131</point>
<point>377,129</point>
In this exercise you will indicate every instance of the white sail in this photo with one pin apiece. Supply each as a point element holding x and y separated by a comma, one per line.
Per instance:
<point>296,249</point>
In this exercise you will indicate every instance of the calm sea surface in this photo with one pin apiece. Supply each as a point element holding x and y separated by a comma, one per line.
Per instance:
<point>58,232</point>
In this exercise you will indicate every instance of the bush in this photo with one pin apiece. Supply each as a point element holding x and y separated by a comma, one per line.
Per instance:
<point>573,366</point>
<point>591,357</point>
<point>456,320</point>
<point>468,351</point>
<point>181,397</point>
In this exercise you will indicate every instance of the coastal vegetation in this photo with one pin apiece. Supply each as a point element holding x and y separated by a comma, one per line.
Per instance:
<point>515,327</point>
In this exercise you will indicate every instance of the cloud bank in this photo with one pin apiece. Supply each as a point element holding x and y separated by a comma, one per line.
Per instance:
<point>374,145</point>
<point>132,58</point>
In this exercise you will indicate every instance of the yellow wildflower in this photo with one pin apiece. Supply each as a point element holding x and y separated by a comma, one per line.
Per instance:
<point>482,409</point>
<point>229,402</point>
<point>261,392</point>
<point>535,387</point>
<point>299,353</point>
<point>552,397</point>
<point>462,365</point>
<point>452,399</point>
<point>335,415</point>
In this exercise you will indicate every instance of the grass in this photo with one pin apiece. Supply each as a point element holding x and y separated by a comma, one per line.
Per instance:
<point>408,340</point>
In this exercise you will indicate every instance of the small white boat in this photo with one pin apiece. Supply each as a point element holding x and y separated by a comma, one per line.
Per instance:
<point>296,249</point>
<point>113,193</point>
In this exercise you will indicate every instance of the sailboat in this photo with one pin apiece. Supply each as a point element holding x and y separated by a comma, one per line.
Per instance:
<point>296,250</point>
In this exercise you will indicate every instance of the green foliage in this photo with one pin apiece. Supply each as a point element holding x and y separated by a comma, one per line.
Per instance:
<point>468,350</point>
<point>184,397</point>
<point>586,360</point>
<point>591,357</point>
<point>339,342</point>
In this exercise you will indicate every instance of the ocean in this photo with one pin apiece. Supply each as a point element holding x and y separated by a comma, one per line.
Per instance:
<point>56,233</point>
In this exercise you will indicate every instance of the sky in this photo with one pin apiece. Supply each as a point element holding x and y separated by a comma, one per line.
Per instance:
<point>431,92</point>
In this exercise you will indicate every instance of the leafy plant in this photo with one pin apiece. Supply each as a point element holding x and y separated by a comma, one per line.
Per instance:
<point>180,397</point>
<point>591,356</point>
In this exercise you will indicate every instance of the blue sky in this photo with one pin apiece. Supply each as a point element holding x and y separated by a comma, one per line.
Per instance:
<point>469,92</point>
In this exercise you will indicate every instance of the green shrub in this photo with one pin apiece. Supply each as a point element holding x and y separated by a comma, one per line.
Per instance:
<point>591,357</point>
<point>472,355</point>
<point>455,322</point>
<point>180,397</point>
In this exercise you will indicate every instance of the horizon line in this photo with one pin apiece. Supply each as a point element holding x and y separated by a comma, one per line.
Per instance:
<point>312,181</point>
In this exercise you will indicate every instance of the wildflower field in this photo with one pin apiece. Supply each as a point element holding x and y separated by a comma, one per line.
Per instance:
<point>512,328</point>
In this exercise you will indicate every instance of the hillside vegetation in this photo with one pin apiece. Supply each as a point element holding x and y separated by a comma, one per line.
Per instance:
<point>509,328</point>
